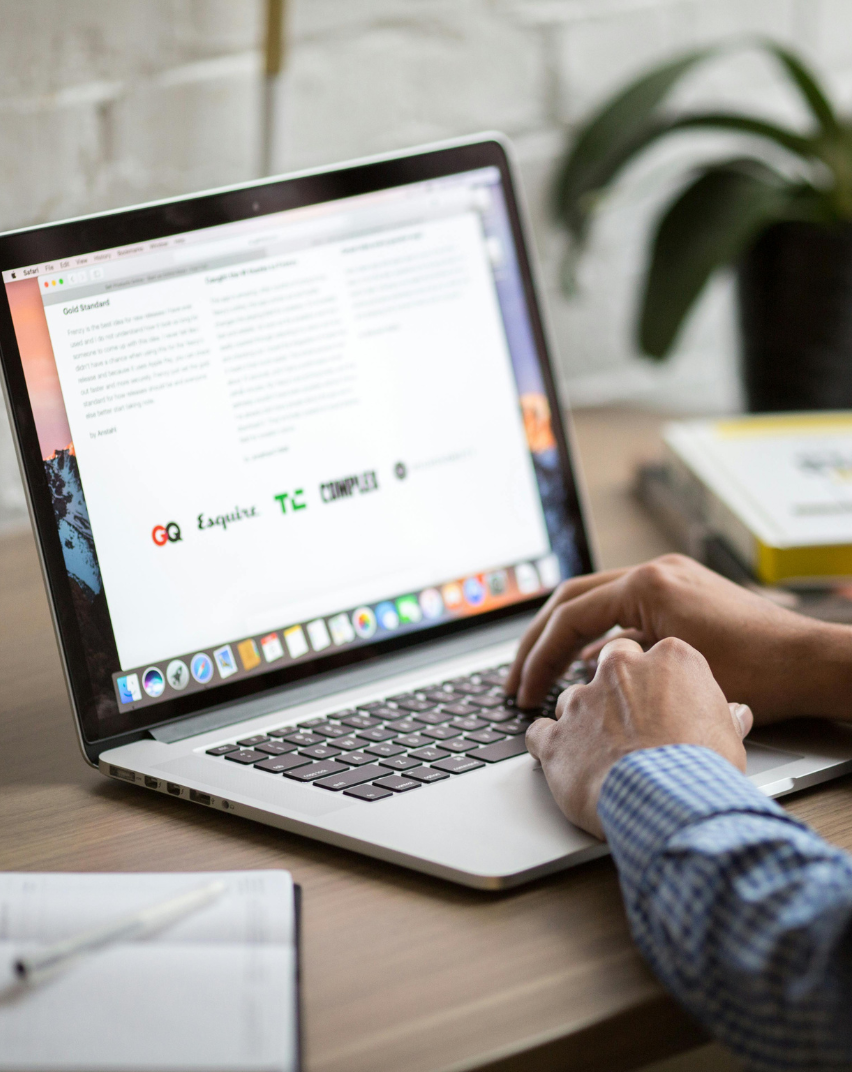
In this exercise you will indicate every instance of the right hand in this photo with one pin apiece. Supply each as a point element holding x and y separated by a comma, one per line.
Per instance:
<point>779,663</point>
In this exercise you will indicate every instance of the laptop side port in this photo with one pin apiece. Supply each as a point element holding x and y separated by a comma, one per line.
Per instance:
<point>200,798</point>
<point>173,789</point>
<point>152,783</point>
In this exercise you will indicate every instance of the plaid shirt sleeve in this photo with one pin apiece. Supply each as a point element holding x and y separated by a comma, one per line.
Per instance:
<point>743,913</point>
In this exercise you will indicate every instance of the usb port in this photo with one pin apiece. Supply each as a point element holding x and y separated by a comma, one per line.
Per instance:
<point>173,789</point>
<point>200,798</point>
<point>151,783</point>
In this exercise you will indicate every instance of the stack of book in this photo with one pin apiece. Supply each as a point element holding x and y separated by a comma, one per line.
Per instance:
<point>765,500</point>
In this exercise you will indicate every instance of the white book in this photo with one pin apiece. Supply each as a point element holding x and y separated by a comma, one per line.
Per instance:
<point>215,991</point>
<point>778,487</point>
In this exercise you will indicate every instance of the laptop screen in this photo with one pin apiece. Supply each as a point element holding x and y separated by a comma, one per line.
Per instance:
<point>276,440</point>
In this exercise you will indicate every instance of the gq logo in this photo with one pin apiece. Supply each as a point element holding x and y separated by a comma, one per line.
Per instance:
<point>163,534</point>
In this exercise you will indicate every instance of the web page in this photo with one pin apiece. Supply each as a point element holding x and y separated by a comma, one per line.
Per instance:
<point>271,441</point>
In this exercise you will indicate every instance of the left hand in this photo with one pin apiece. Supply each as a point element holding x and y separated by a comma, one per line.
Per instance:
<point>636,700</point>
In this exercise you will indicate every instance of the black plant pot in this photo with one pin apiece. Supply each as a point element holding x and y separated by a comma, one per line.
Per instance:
<point>795,306</point>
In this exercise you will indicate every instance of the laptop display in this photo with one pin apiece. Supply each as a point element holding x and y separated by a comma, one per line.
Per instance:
<point>313,427</point>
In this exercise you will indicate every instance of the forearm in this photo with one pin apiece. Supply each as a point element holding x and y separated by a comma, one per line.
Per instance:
<point>743,913</point>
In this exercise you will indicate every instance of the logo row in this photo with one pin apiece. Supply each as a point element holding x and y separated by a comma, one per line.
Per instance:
<point>338,630</point>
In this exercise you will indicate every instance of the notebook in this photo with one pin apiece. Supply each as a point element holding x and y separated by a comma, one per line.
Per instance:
<point>217,990</point>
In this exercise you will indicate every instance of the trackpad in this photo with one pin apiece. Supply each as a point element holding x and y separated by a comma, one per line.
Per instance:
<point>760,758</point>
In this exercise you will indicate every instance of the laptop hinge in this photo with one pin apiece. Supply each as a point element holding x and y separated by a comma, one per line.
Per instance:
<point>327,684</point>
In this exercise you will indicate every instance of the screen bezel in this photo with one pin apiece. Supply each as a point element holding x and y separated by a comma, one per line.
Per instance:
<point>149,222</point>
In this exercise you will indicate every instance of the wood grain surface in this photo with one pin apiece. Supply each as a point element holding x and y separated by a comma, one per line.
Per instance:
<point>401,972</point>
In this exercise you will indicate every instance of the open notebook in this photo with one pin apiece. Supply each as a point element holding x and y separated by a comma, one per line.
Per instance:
<point>216,991</point>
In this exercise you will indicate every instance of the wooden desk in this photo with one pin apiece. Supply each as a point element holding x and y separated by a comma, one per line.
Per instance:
<point>402,973</point>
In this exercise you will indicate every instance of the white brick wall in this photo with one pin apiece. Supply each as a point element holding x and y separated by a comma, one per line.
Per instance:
<point>109,102</point>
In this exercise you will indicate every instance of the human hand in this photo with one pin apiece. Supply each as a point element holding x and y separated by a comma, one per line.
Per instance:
<point>780,663</point>
<point>636,700</point>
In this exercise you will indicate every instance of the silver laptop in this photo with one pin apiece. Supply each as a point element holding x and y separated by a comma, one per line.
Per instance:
<point>299,478</point>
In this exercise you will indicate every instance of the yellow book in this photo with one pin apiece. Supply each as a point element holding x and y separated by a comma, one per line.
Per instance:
<point>777,487</point>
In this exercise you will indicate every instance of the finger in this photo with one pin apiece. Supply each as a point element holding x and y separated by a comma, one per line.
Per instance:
<point>592,651</point>
<point>538,735</point>
<point>566,591</point>
<point>618,644</point>
<point>571,626</point>
<point>743,718</point>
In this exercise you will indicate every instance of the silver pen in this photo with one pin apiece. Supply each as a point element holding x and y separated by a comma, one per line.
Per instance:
<point>37,966</point>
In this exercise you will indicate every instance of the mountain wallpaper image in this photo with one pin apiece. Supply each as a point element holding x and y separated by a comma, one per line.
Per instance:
<point>84,575</point>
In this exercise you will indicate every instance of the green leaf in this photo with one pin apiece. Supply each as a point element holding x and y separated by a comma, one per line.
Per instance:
<point>808,85</point>
<point>612,136</point>
<point>708,227</point>
<point>744,124</point>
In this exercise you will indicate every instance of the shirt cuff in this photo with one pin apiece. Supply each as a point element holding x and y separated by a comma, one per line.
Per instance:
<point>650,795</point>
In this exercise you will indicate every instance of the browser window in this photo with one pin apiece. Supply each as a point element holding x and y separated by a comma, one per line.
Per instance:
<point>273,439</point>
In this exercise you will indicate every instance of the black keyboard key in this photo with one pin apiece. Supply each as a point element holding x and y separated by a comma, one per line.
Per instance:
<point>405,725</point>
<point>245,755</point>
<point>349,743</point>
<point>413,740</point>
<point>494,753</point>
<point>498,715</point>
<point>470,688</point>
<point>460,764</point>
<point>316,770</point>
<point>250,742</point>
<point>486,737</point>
<point>359,722</point>
<point>495,677</point>
<point>398,783</point>
<point>340,715</point>
<point>400,696</point>
<point>399,763</point>
<point>385,748</point>
<point>427,774</point>
<point>461,710</point>
<point>430,753</point>
<point>433,718</point>
<point>440,733</point>
<point>279,764</point>
<point>367,792</point>
<point>517,727</point>
<point>470,723</point>
<point>320,751</point>
<point>456,744</point>
<point>330,730</point>
<point>282,731</point>
<point>442,695</point>
<point>488,701</point>
<point>222,749</point>
<point>357,759</point>
<point>377,733</point>
<point>380,710</point>
<point>276,748</point>
<point>414,704</point>
<point>308,722</point>
<point>304,739</point>
<point>346,779</point>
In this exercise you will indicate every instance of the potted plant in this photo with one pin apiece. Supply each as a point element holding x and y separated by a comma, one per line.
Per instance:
<point>786,230</point>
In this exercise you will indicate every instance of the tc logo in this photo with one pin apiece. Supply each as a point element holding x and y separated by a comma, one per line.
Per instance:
<point>163,534</point>
<point>294,498</point>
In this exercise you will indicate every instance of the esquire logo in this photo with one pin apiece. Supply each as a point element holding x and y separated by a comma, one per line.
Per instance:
<point>348,486</point>
<point>221,521</point>
<point>163,534</point>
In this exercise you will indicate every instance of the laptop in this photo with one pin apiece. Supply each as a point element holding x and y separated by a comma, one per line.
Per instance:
<point>299,478</point>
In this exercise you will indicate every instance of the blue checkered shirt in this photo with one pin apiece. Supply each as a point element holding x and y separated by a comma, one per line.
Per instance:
<point>743,912</point>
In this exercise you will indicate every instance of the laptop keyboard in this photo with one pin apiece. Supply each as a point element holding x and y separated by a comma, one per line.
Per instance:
<point>406,741</point>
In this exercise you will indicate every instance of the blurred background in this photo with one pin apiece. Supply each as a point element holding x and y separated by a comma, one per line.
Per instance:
<point>106,103</point>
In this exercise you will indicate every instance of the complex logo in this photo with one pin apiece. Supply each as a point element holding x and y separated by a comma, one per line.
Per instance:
<point>201,667</point>
<point>153,682</point>
<point>346,487</point>
<point>177,674</point>
<point>163,534</point>
<point>365,622</point>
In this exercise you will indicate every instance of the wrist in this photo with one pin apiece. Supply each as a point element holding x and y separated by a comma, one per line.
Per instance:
<point>825,686</point>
